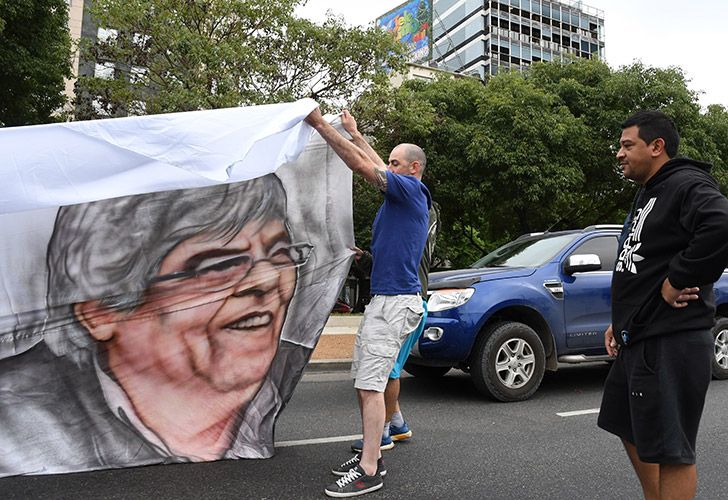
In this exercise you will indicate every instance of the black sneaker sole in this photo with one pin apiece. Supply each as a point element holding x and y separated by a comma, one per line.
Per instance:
<point>337,494</point>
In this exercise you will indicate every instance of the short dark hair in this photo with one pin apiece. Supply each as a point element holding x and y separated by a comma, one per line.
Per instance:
<point>653,125</point>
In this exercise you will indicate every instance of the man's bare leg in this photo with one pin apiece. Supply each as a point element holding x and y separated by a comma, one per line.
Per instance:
<point>372,419</point>
<point>678,481</point>
<point>648,474</point>
<point>664,481</point>
<point>391,398</point>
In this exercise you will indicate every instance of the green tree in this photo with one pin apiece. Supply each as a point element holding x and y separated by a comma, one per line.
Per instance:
<point>35,57</point>
<point>178,55</point>
<point>602,99</point>
<point>715,124</point>
<point>439,117</point>
<point>528,149</point>
<point>534,151</point>
<point>501,157</point>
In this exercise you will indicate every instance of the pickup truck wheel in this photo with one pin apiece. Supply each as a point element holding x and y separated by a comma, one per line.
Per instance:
<point>508,362</point>
<point>427,372</point>
<point>720,361</point>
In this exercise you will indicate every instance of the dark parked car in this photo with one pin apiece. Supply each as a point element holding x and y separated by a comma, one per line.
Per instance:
<point>537,301</point>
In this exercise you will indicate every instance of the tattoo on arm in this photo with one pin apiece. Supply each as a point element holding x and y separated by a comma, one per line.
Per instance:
<point>380,182</point>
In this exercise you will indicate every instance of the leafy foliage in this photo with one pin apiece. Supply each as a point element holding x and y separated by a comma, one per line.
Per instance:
<point>535,151</point>
<point>180,55</point>
<point>35,57</point>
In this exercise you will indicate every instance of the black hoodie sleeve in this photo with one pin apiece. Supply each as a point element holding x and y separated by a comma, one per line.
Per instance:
<point>704,215</point>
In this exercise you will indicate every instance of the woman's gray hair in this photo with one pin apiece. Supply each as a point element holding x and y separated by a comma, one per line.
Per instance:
<point>109,250</point>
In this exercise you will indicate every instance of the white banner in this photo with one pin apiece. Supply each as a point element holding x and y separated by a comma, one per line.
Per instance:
<point>163,282</point>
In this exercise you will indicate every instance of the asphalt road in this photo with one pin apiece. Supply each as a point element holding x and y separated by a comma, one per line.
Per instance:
<point>463,447</point>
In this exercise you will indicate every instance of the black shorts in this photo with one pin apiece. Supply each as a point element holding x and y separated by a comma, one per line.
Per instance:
<point>654,395</point>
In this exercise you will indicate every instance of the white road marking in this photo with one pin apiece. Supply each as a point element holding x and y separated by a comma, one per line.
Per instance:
<point>353,437</point>
<point>335,439</point>
<point>578,412</point>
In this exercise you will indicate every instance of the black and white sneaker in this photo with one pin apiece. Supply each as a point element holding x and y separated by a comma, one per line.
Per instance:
<point>354,483</point>
<point>344,468</point>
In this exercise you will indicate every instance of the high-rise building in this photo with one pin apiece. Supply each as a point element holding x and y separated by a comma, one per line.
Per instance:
<point>80,25</point>
<point>482,37</point>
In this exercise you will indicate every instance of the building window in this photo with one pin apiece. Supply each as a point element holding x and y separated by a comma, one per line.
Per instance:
<point>104,70</point>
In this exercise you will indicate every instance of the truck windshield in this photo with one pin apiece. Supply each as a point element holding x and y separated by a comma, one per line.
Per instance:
<point>528,252</point>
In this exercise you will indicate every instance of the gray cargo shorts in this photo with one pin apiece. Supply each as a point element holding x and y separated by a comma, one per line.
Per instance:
<point>388,320</point>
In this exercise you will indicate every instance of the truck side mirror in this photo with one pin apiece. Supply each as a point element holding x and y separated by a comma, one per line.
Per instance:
<point>582,263</point>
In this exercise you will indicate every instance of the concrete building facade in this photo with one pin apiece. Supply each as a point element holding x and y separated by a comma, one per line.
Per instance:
<point>80,26</point>
<point>484,37</point>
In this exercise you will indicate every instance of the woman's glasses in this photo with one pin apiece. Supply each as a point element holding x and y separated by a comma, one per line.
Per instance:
<point>231,269</point>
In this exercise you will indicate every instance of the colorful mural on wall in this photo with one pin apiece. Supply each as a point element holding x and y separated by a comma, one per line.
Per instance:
<point>411,23</point>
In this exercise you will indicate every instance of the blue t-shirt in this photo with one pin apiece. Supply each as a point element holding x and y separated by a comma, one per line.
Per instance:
<point>399,234</point>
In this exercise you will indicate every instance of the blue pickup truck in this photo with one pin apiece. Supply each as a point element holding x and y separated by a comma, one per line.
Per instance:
<point>540,300</point>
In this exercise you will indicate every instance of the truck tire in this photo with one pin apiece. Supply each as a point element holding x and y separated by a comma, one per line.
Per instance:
<point>508,362</point>
<point>720,360</point>
<point>426,372</point>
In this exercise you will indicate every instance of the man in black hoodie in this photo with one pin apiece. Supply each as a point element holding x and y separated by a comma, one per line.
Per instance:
<point>673,247</point>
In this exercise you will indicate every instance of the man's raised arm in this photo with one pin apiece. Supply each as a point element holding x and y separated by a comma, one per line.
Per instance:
<point>359,159</point>
<point>349,124</point>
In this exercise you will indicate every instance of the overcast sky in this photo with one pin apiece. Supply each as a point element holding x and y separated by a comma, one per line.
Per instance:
<point>658,32</point>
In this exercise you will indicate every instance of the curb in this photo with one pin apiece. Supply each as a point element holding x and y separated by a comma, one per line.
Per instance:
<point>328,365</point>
<point>333,350</point>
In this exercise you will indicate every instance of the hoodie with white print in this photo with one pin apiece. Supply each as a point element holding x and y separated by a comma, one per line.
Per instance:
<point>677,229</point>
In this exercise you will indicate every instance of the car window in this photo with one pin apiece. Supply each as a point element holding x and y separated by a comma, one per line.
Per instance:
<point>529,252</point>
<point>604,246</point>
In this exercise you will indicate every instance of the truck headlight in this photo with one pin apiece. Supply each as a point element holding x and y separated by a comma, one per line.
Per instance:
<point>448,298</point>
